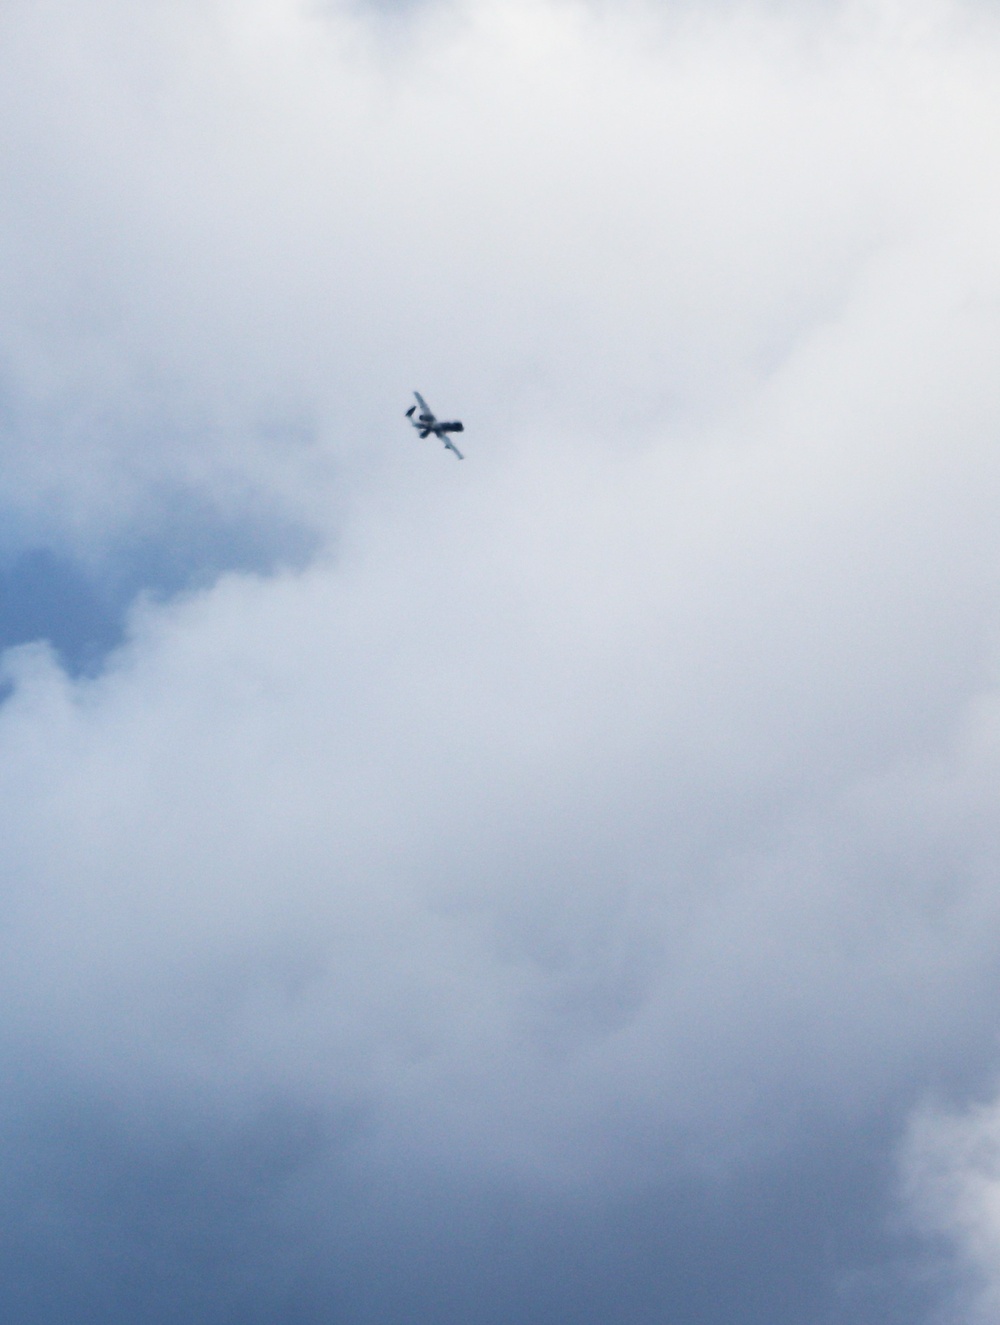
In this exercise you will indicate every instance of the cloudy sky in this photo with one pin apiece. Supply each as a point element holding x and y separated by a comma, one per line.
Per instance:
<point>560,887</point>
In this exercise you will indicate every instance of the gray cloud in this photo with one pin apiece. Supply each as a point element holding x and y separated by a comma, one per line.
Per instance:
<point>500,887</point>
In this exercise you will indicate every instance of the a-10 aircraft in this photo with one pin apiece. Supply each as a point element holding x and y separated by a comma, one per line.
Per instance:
<point>425,423</point>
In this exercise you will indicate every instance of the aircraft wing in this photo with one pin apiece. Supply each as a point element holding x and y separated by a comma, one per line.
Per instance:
<point>424,407</point>
<point>451,446</point>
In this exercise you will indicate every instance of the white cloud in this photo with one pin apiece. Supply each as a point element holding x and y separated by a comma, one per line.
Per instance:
<point>236,216</point>
<point>622,797</point>
<point>952,1172</point>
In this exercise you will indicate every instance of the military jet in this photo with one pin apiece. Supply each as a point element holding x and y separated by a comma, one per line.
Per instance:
<point>425,423</point>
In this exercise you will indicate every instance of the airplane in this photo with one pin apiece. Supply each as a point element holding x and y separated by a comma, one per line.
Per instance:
<point>426,423</point>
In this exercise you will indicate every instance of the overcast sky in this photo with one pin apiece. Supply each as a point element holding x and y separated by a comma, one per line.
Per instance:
<point>557,888</point>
